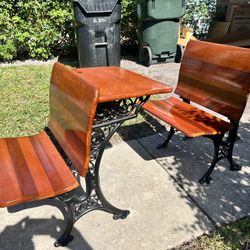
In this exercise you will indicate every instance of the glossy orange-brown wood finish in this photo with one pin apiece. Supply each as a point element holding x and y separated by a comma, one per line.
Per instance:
<point>73,103</point>
<point>186,118</point>
<point>215,79</point>
<point>116,83</point>
<point>32,169</point>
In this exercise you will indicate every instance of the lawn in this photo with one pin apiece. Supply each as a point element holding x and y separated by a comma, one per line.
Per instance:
<point>24,110</point>
<point>24,102</point>
<point>234,236</point>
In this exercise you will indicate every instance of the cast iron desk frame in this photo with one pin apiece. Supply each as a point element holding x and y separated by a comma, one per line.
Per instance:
<point>117,103</point>
<point>109,117</point>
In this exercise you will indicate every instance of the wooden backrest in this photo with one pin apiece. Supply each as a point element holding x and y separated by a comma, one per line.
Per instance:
<point>72,109</point>
<point>216,76</point>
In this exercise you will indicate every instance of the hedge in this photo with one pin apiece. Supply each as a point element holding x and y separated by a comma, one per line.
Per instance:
<point>43,29</point>
<point>35,28</point>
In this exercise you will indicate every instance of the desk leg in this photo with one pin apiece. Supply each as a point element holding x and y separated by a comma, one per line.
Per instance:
<point>76,203</point>
<point>109,117</point>
<point>100,139</point>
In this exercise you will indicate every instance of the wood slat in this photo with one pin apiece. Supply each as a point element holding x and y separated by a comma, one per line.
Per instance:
<point>216,76</point>
<point>188,119</point>
<point>32,169</point>
<point>73,103</point>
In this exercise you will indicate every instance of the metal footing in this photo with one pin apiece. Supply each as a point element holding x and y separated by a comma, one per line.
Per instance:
<point>122,215</point>
<point>223,149</point>
<point>170,134</point>
<point>63,242</point>
<point>77,203</point>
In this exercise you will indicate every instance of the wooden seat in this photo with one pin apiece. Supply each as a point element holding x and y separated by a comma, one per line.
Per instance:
<point>190,120</point>
<point>32,169</point>
<point>215,77</point>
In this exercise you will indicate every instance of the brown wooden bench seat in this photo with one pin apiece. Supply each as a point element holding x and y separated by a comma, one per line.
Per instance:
<point>32,168</point>
<point>187,118</point>
<point>216,77</point>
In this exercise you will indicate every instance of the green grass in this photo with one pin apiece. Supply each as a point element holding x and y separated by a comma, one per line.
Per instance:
<point>234,236</point>
<point>24,110</point>
<point>24,102</point>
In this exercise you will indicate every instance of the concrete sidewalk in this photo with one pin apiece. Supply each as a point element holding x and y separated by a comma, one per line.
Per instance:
<point>159,187</point>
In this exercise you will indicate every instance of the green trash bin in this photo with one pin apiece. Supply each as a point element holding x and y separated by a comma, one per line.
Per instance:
<point>159,24</point>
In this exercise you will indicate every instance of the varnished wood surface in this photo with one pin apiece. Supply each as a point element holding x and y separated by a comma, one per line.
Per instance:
<point>116,83</point>
<point>73,103</point>
<point>216,76</point>
<point>186,118</point>
<point>74,95</point>
<point>32,169</point>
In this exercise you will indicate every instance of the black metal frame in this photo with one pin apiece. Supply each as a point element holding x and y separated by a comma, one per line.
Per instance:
<point>74,204</point>
<point>223,149</point>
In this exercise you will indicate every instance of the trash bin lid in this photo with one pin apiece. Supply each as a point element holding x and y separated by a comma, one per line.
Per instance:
<point>97,6</point>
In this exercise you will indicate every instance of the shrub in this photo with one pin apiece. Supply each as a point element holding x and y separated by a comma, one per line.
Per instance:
<point>42,29</point>
<point>35,29</point>
<point>129,22</point>
<point>199,14</point>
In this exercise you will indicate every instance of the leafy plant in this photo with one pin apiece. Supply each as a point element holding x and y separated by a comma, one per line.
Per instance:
<point>199,14</point>
<point>35,29</point>
<point>129,22</point>
<point>42,29</point>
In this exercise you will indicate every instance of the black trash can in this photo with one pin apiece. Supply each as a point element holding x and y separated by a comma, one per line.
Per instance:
<point>98,32</point>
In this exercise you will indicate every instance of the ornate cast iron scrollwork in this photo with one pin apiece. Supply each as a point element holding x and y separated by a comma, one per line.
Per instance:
<point>109,116</point>
<point>119,110</point>
<point>223,149</point>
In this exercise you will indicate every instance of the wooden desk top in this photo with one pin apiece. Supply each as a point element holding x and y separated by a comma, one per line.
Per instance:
<point>115,83</point>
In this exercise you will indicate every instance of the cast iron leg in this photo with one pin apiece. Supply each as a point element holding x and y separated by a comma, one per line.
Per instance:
<point>109,117</point>
<point>229,145</point>
<point>100,139</point>
<point>206,178</point>
<point>93,186</point>
<point>165,143</point>
<point>68,214</point>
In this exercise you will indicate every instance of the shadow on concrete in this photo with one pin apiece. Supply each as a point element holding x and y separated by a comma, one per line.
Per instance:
<point>146,127</point>
<point>20,235</point>
<point>227,198</point>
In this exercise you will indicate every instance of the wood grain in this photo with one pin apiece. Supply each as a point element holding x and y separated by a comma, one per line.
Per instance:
<point>117,83</point>
<point>73,103</point>
<point>32,169</point>
<point>216,76</point>
<point>188,119</point>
